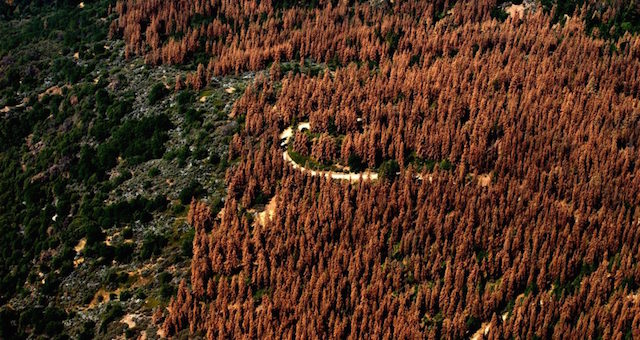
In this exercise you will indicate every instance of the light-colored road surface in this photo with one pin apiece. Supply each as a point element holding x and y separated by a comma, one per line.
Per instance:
<point>288,132</point>
<point>286,135</point>
<point>351,176</point>
<point>482,332</point>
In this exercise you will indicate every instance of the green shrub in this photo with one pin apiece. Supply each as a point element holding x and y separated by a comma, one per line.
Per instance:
<point>200,153</point>
<point>127,233</point>
<point>88,331</point>
<point>192,116</point>
<point>113,312</point>
<point>182,154</point>
<point>124,252</point>
<point>214,158</point>
<point>187,243</point>
<point>113,279</point>
<point>499,14</point>
<point>140,294</point>
<point>103,100</point>
<point>193,190</point>
<point>178,209</point>
<point>355,163</point>
<point>152,245</point>
<point>153,172</point>
<point>185,98</point>
<point>445,165</point>
<point>157,92</point>
<point>166,291</point>
<point>389,170</point>
<point>164,277</point>
<point>125,295</point>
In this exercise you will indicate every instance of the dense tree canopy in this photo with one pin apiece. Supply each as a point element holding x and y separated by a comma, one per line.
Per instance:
<point>525,132</point>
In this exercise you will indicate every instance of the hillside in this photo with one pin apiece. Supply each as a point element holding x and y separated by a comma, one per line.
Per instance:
<point>99,162</point>
<point>324,169</point>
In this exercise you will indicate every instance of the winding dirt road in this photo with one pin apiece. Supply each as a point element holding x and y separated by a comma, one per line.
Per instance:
<point>286,135</point>
<point>367,175</point>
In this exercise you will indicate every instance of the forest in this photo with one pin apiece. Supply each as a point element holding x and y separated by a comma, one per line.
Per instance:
<point>513,206</point>
<point>396,169</point>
